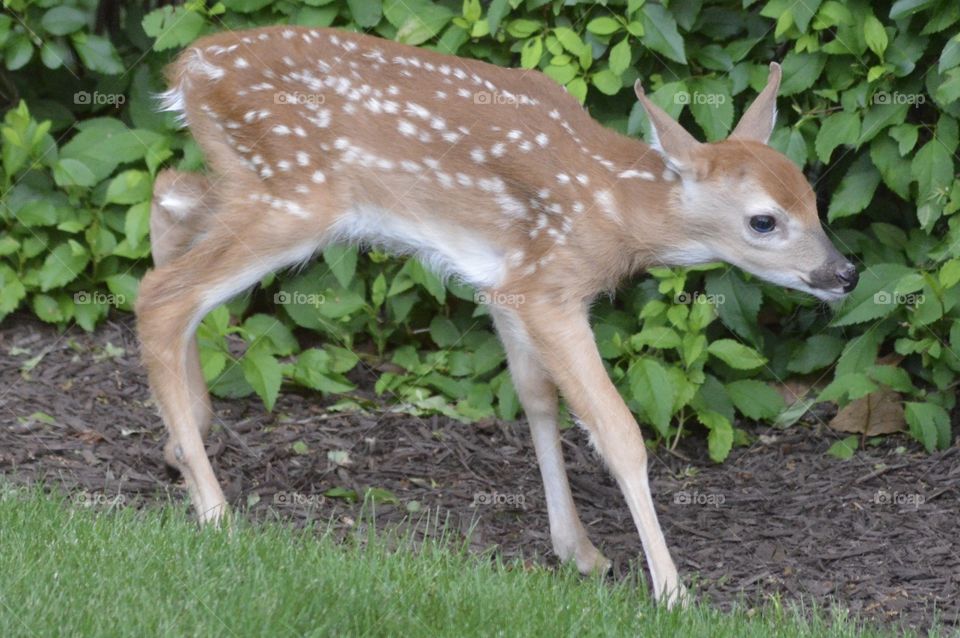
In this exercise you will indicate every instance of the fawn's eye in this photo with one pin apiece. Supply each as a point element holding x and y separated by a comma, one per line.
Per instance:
<point>763,223</point>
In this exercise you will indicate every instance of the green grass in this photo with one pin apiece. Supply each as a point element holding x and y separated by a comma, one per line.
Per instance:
<point>69,571</point>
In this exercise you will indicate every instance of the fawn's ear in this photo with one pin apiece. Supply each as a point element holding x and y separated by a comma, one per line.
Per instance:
<point>671,140</point>
<point>757,122</point>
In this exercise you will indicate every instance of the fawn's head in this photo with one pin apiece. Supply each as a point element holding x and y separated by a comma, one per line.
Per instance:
<point>742,202</point>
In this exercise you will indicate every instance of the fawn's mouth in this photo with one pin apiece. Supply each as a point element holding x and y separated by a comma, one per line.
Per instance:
<point>824,294</point>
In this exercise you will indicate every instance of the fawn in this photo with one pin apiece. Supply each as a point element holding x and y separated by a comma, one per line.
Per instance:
<point>496,176</point>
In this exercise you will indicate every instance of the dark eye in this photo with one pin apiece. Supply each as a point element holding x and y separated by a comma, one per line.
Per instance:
<point>763,223</point>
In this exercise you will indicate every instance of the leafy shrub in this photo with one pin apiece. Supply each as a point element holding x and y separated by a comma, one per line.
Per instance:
<point>868,107</point>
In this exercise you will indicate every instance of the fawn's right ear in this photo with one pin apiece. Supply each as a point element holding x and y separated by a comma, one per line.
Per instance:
<point>758,120</point>
<point>670,139</point>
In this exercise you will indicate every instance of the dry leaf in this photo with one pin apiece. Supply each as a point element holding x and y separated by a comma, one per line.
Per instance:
<point>794,389</point>
<point>877,413</point>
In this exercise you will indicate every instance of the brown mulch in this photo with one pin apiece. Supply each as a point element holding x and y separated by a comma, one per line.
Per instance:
<point>876,534</point>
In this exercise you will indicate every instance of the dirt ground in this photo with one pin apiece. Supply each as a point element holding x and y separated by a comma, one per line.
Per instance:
<point>781,518</point>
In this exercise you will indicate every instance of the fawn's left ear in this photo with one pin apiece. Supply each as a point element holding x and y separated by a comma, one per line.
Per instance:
<point>757,122</point>
<point>671,140</point>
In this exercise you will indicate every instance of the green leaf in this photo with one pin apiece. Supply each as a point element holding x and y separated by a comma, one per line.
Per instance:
<point>416,20</point>
<point>97,53</point>
<point>270,335</point>
<point>130,187</point>
<point>817,352</point>
<point>607,82</point>
<point>72,172</point>
<point>136,224</point>
<point>736,355</point>
<point>569,39</point>
<point>873,296</point>
<point>63,20</point>
<point>651,388</point>
<point>620,56</point>
<point>342,260</point>
<point>738,302</point>
<point>844,448</point>
<point>604,25</point>
<point>800,71</point>
<point>444,332</point>
<point>317,369</point>
<point>874,35</point>
<point>103,143</point>
<point>950,56</point>
<point>839,128</point>
<point>929,423</point>
<point>904,8</point>
<point>12,291</point>
<point>662,337</point>
<point>852,386</point>
<point>720,437</point>
<point>932,168</point>
<point>755,399</point>
<point>18,52</point>
<point>263,373</point>
<point>856,189</point>
<point>790,142</point>
<point>531,53</point>
<point>894,169</point>
<point>63,265</point>
<point>499,9</point>
<point>124,287</point>
<point>366,13</point>
<point>712,107</point>
<point>523,28</point>
<point>660,33</point>
<point>174,27</point>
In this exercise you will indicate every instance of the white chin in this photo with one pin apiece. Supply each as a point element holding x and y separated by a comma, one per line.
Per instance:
<point>797,283</point>
<point>835,294</point>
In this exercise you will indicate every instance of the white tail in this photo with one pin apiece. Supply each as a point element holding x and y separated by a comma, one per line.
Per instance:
<point>496,176</point>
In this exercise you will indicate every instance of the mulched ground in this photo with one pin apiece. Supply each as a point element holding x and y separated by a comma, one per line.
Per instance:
<point>780,519</point>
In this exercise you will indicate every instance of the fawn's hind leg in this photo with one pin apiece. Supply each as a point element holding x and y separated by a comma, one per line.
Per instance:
<point>246,242</point>
<point>183,206</point>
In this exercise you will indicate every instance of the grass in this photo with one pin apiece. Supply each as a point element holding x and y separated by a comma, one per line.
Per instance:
<point>70,571</point>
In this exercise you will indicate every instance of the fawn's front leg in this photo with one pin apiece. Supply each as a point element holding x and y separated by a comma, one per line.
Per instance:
<point>566,343</point>
<point>538,395</point>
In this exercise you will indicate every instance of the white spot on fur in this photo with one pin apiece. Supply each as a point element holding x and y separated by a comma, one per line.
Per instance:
<point>631,174</point>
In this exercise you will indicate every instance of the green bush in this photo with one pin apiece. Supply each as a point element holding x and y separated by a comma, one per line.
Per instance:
<point>868,107</point>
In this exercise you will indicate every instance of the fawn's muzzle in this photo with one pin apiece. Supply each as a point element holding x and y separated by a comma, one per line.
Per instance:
<point>836,273</point>
<point>848,276</point>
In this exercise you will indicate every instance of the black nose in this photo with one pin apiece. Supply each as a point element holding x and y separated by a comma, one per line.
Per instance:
<point>848,276</point>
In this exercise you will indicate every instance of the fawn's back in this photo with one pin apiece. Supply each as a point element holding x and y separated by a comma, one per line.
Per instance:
<point>486,172</point>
